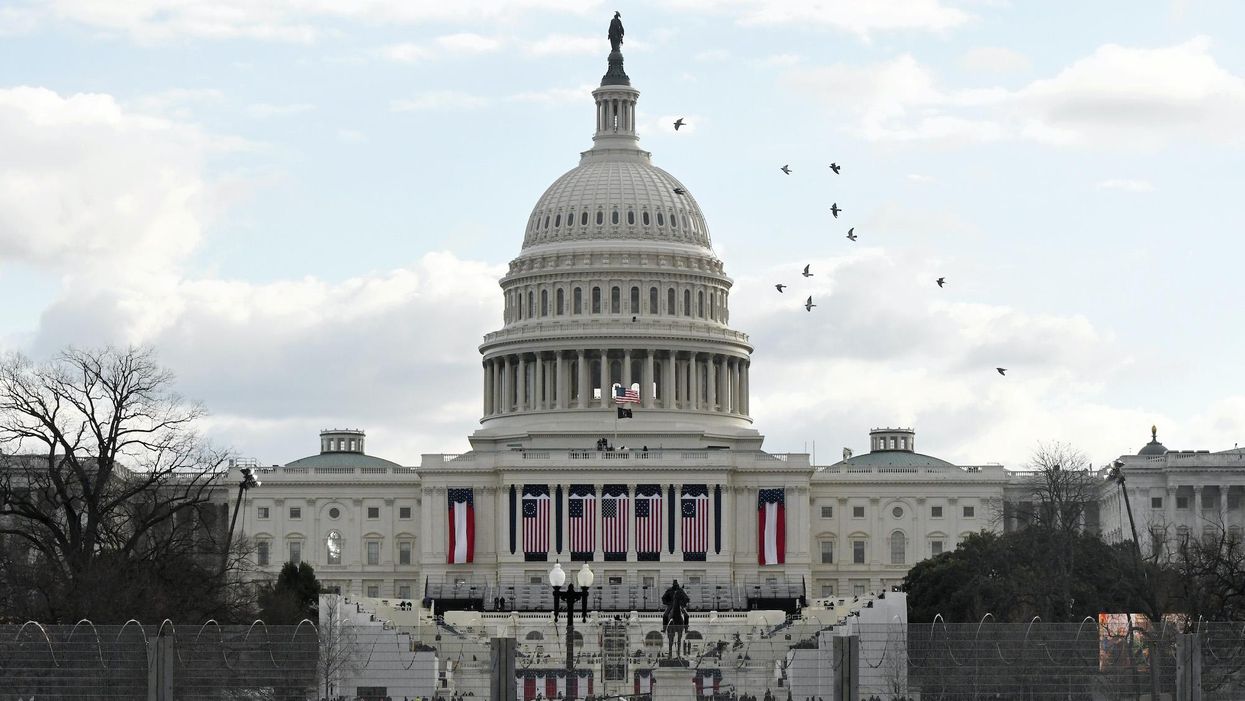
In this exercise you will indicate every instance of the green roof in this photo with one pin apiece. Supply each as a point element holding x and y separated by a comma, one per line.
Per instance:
<point>342,459</point>
<point>894,458</point>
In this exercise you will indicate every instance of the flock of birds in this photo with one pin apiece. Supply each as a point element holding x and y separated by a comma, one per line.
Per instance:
<point>834,210</point>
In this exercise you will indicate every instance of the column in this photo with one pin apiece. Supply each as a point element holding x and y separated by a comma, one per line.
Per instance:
<point>743,386</point>
<point>507,382</point>
<point>581,372</point>
<point>646,380</point>
<point>560,389</point>
<point>693,365</point>
<point>520,385</point>
<point>488,387</point>
<point>626,369</point>
<point>724,388</point>
<point>604,382</point>
<point>538,383</point>
<point>736,395</point>
<point>667,369</point>
<point>1197,511</point>
<point>497,392</point>
<point>711,377</point>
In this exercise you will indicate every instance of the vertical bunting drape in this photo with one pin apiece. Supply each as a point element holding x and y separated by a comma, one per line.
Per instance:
<point>462,526</point>
<point>717,519</point>
<point>771,527</point>
<point>511,520</point>
<point>671,515</point>
<point>557,528</point>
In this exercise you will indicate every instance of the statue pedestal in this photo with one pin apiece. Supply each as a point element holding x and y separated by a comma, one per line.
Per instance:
<point>672,681</point>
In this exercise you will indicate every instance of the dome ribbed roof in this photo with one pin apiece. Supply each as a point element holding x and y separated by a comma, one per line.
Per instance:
<point>616,199</point>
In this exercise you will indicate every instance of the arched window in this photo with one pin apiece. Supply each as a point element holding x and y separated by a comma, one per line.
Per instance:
<point>674,221</point>
<point>615,300</point>
<point>596,300</point>
<point>534,635</point>
<point>544,302</point>
<point>652,639</point>
<point>687,302</point>
<point>670,305</point>
<point>531,304</point>
<point>899,548</point>
<point>661,220</point>
<point>546,221</point>
<point>631,217</point>
<point>644,218</point>
<point>614,217</point>
<point>583,219</point>
<point>579,301</point>
<point>635,300</point>
<point>700,304</point>
<point>561,302</point>
<point>557,221</point>
<point>652,301</point>
<point>333,546</point>
<point>600,218</point>
<point>713,305</point>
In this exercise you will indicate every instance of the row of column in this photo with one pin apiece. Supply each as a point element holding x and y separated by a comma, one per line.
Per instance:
<point>557,380</point>
<point>609,108</point>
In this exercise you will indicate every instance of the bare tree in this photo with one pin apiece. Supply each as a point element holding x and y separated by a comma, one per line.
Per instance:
<point>340,651</point>
<point>106,485</point>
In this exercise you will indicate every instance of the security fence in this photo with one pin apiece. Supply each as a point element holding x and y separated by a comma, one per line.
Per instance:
<point>619,656</point>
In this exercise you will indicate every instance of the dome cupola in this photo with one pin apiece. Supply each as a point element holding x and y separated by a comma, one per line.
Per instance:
<point>1153,447</point>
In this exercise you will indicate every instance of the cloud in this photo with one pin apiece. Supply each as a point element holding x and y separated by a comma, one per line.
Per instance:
<point>439,100</point>
<point>860,18</point>
<point>177,103</point>
<point>461,44</point>
<point>89,187</point>
<point>564,45</point>
<point>923,179</point>
<point>289,353</point>
<point>1117,96</point>
<point>288,21</point>
<point>712,56</point>
<point>351,136</point>
<point>1125,185</point>
<point>994,59</point>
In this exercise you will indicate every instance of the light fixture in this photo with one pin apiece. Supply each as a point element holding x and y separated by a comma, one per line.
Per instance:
<point>584,576</point>
<point>557,576</point>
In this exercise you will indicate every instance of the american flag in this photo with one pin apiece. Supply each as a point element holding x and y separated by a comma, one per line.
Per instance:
<point>536,521</point>
<point>695,511</point>
<point>771,527</point>
<point>648,531</point>
<point>583,521</point>
<point>614,503</point>
<point>462,524</point>
<point>626,395</point>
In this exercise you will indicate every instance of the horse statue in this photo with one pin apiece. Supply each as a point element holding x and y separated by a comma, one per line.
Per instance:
<point>674,619</point>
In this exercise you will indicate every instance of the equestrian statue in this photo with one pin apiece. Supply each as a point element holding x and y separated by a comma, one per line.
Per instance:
<point>674,619</point>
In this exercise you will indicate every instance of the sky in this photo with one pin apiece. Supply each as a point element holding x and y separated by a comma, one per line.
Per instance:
<point>305,206</point>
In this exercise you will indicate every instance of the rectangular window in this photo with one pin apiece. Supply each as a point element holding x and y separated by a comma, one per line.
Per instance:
<point>1156,502</point>
<point>858,589</point>
<point>1182,502</point>
<point>899,549</point>
<point>969,512</point>
<point>648,581</point>
<point>858,512</point>
<point>262,512</point>
<point>635,300</point>
<point>827,589</point>
<point>373,591</point>
<point>404,552</point>
<point>404,591</point>
<point>935,547</point>
<point>296,551</point>
<point>261,553</point>
<point>827,552</point>
<point>579,301</point>
<point>596,300</point>
<point>614,581</point>
<point>296,512</point>
<point>615,300</point>
<point>827,512</point>
<point>373,552</point>
<point>373,512</point>
<point>858,552</point>
<point>935,512</point>
<point>535,579</point>
<point>693,579</point>
<point>404,512</point>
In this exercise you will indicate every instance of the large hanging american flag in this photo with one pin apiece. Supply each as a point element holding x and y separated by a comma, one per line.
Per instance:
<point>536,522</point>
<point>614,503</point>
<point>695,521</point>
<point>707,681</point>
<point>582,517</point>
<point>771,527</point>
<point>462,525</point>
<point>648,522</point>
<point>626,395</point>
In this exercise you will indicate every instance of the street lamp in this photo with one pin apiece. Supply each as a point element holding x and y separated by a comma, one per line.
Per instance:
<point>249,481</point>
<point>1116,474</point>
<point>557,577</point>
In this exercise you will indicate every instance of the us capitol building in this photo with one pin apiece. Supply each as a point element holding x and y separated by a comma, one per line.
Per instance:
<point>617,287</point>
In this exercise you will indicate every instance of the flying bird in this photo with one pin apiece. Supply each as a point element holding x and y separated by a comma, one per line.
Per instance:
<point>851,234</point>
<point>808,304</point>
<point>1002,371</point>
<point>941,281</point>
<point>680,191</point>
<point>786,170</point>
<point>806,273</point>
<point>834,209</point>
<point>779,287</point>
<point>835,167</point>
<point>678,123</point>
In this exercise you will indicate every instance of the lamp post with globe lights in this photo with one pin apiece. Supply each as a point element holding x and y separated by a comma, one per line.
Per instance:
<point>557,577</point>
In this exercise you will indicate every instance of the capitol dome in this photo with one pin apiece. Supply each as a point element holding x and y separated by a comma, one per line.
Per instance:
<point>615,200</point>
